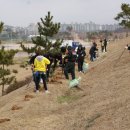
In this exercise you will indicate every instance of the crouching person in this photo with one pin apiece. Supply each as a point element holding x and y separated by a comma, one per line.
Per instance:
<point>40,64</point>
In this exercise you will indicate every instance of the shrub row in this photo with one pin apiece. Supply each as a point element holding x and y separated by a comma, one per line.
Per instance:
<point>18,84</point>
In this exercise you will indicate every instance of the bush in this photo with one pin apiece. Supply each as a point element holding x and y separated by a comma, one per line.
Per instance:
<point>15,71</point>
<point>22,66</point>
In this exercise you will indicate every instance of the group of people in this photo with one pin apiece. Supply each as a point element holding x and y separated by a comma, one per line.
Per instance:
<point>103,45</point>
<point>93,50</point>
<point>71,58</point>
<point>41,64</point>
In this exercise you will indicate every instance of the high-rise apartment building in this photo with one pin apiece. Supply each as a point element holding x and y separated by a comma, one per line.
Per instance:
<point>89,27</point>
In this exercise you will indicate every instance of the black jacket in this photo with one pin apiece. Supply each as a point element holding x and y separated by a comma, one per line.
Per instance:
<point>81,54</point>
<point>92,50</point>
<point>69,58</point>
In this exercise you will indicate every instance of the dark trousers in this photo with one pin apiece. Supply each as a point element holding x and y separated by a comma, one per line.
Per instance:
<point>40,75</point>
<point>69,68</point>
<point>48,71</point>
<point>94,54</point>
<point>102,48</point>
<point>80,64</point>
<point>91,56</point>
<point>105,47</point>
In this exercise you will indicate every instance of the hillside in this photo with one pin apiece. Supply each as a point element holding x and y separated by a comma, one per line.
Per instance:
<point>102,103</point>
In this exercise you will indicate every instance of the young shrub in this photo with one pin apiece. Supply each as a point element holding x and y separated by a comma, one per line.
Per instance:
<point>6,59</point>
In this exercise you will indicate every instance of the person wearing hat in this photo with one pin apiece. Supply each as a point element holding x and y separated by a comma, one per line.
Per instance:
<point>69,63</point>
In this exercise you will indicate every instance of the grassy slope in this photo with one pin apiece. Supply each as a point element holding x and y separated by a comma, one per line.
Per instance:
<point>103,104</point>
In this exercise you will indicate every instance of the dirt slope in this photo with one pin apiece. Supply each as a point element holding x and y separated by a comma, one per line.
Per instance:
<point>102,104</point>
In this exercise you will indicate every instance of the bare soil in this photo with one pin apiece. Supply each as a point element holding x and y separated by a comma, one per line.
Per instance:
<point>102,103</point>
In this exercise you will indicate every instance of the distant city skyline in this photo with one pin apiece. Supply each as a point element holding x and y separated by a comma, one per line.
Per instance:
<point>32,29</point>
<point>23,12</point>
<point>67,24</point>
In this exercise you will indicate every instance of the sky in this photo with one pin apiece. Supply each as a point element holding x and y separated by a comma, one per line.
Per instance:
<point>23,12</point>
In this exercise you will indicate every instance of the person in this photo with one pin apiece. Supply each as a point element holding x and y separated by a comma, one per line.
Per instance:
<point>40,63</point>
<point>127,47</point>
<point>31,62</point>
<point>92,51</point>
<point>95,49</point>
<point>80,57</point>
<point>49,56</point>
<point>54,59</point>
<point>102,45</point>
<point>105,44</point>
<point>69,63</point>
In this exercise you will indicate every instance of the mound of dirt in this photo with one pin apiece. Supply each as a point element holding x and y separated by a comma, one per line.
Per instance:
<point>4,120</point>
<point>16,107</point>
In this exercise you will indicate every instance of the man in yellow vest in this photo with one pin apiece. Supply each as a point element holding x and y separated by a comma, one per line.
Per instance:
<point>40,64</point>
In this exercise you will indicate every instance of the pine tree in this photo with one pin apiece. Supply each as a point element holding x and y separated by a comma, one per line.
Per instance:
<point>6,58</point>
<point>124,16</point>
<point>47,29</point>
<point>1,28</point>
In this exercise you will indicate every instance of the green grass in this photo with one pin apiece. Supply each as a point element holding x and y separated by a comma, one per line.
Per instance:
<point>67,98</point>
<point>70,95</point>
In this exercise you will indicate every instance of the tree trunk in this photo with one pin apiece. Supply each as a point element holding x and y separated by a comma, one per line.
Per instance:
<point>3,83</point>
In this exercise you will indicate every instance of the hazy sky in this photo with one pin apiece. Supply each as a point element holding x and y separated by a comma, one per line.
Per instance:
<point>23,12</point>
